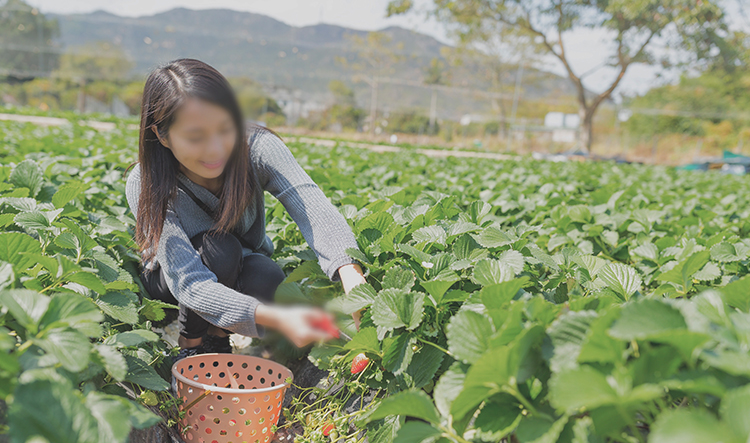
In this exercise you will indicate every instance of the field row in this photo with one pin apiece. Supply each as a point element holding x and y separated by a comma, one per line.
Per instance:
<point>517,299</point>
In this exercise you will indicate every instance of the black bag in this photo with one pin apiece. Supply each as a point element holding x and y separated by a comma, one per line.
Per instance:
<point>211,213</point>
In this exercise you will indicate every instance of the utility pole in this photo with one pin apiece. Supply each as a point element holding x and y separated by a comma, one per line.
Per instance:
<point>433,111</point>
<point>40,37</point>
<point>81,105</point>
<point>516,93</point>
<point>617,129</point>
<point>373,82</point>
<point>654,148</point>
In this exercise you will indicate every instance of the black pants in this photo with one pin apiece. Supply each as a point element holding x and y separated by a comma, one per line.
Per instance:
<point>256,275</point>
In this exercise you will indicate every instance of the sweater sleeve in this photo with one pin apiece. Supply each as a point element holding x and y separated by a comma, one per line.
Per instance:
<point>324,228</point>
<point>191,282</point>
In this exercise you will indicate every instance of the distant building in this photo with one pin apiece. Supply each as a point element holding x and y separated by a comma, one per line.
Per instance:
<point>295,104</point>
<point>468,119</point>
<point>117,107</point>
<point>563,126</point>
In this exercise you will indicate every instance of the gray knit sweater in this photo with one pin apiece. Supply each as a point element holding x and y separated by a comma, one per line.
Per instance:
<point>193,284</point>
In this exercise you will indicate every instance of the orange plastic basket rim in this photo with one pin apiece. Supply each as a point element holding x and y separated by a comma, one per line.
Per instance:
<point>213,388</point>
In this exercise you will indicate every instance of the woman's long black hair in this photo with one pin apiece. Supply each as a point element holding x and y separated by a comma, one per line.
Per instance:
<point>165,90</point>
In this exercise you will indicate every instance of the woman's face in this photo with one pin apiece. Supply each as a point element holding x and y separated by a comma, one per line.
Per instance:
<point>202,138</point>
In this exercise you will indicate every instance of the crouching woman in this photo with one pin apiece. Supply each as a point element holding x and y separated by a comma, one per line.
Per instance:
<point>197,193</point>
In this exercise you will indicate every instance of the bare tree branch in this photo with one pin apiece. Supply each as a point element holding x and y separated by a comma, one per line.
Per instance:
<point>574,78</point>
<point>623,67</point>
<point>560,56</point>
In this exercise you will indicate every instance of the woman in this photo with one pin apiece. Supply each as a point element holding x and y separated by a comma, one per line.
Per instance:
<point>197,194</point>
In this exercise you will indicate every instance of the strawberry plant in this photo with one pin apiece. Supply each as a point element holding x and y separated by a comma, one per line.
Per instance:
<point>520,301</point>
<point>78,358</point>
<point>542,302</point>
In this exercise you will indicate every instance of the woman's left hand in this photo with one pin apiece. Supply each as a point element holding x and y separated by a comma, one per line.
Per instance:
<point>351,276</point>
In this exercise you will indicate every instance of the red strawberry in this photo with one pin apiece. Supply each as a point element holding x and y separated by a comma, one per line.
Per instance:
<point>327,428</point>
<point>359,363</point>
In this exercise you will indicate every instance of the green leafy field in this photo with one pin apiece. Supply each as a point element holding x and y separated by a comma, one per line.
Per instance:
<point>522,300</point>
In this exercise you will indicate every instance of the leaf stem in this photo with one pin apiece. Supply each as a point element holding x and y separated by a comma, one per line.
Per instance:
<point>633,428</point>
<point>525,402</point>
<point>23,347</point>
<point>436,346</point>
<point>453,435</point>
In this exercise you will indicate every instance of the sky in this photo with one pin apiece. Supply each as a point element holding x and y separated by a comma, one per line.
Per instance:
<point>585,47</point>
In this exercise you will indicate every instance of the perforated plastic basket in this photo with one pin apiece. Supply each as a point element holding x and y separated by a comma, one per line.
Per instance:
<point>243,401</point>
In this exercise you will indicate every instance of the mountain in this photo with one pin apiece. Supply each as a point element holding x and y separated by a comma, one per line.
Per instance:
<point>279,55</point>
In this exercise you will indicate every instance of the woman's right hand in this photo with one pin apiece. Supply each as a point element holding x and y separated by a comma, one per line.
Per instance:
<point>295,322</point>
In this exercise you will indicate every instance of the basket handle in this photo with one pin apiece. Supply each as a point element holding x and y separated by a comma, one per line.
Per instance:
<point>233,381</point>
<point>202,396</point>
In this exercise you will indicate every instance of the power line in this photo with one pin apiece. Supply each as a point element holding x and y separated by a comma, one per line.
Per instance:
<point>743,116</point>
<point>28,73</point>
<point>401,81</point>
<point>136,22</point>
<point>275,85</point>
<point>55,50</point>
<point>693,114</point>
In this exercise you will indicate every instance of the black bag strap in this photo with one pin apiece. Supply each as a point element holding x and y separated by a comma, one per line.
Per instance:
<point>210,212</point>
<point>197,201</point>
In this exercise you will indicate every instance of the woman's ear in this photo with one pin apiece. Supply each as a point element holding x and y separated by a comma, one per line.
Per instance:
<point>161,139</point>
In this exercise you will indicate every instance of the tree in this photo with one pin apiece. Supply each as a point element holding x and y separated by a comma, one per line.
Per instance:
<point>490,65</point>
<point>495,54</point>
<point>94,61</point>
<point>254,101</point>
<point>375,57</point>
<point>435,74</point>
<point>695,28</point>
<point>720,95</point>
<point>344,109</point>
<point>27,49</point>
<point>342,94</point>
<point>97,60</point>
